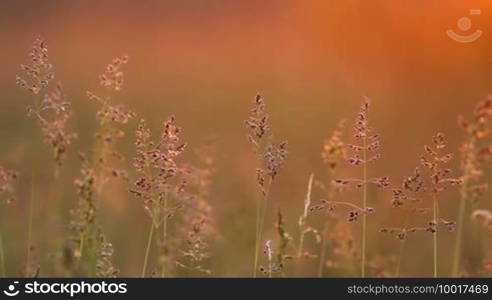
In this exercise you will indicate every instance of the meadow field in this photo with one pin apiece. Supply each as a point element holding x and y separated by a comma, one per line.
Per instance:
<point>245,139</point>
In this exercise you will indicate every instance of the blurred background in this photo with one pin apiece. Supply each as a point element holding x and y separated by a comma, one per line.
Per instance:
<point>204,61</point>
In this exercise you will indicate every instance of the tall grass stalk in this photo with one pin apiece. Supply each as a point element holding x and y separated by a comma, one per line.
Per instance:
<point>400,256</point>
<point>164,232</point>
<point>402,248</point>
<point>462,207</point>
<point>2,258</point>
<point>364,219</point>
<point>435,216</point>
<point>334,151</point>
<point>30,222</point>
<point>302,220</point>
<point>459,237</point>
<point>147,250</point>
<point>322,254</point>
<point>270,159</point>
<point>260,220</point>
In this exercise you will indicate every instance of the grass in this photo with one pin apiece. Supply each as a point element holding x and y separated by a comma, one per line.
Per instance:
<point>172,182</point>
<point>29,245</point>
<point>270,159</point>
<point>262,207</point>
<point>364,206</point>
<point>147,250</point>
<point>474,154</point>
<point>3,271</point>
<point>369,145</point>
<point>302,220</point>
<point>434,238</point>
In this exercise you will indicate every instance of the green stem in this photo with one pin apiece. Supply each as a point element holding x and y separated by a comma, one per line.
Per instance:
<point>147,251</point>
<point>258,211</point>
<point>462,209</point>
<point>2,258</point>
<point>364,219</point>
<point>321,266</point>
<point>30,221</point>
<point>302,220</point>
<point>102,148</point>
<point>260,219</point>
<point>459,238</point>
<point>164,235</point>
<point>400,255</point>
<point>402,245</point>
<point>81,249</point>
<point>435,237</point>
<point>92,263</point>
<point>99,164</point>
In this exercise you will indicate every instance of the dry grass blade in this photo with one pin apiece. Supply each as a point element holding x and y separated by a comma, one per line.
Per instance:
<point>53,110</point>
<point>270,159</point>
<point>304,228</point>
<point>474,153</point>
<point>104,264</point>
<point>160,184</point>
<point>364,152</point>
